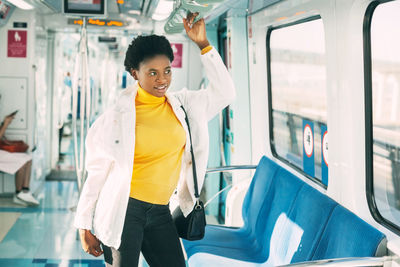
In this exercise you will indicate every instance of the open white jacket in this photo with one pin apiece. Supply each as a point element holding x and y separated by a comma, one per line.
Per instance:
<point>110,145</point>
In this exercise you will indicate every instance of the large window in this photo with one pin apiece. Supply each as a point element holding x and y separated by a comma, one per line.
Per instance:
<point>297,96</point>
<point>382,81</point>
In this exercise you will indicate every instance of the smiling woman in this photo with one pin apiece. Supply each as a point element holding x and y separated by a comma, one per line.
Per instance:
<point>132,169</point>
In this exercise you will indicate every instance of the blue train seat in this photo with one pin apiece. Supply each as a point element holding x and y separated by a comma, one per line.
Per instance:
<point>285,221</point>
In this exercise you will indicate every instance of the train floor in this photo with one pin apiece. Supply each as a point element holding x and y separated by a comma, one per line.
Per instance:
<point>43,235</point>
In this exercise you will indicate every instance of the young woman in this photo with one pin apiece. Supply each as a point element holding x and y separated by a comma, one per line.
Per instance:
<point>139,151</point>
<point>19,164</point>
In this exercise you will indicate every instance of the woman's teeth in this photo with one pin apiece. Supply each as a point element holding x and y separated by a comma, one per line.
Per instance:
<point>161,87</point>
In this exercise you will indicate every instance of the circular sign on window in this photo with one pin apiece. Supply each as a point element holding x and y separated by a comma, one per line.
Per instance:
<point>325,148</point>
<point>308,140</point>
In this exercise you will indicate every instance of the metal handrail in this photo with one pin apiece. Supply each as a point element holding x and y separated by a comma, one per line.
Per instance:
<point>226,169</point>
<point>354,261</point>
<point>231,168</point>
<point>217,194</point>
<point>35,129</point>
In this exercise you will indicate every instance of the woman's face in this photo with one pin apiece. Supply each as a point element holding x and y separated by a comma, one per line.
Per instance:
<point>154,75</point>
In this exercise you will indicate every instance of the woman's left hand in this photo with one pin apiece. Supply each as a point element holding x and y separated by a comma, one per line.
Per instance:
<point>197,31</point>
<point>8,119</point>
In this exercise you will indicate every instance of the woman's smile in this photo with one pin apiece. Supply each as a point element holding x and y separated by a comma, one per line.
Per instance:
<point>161,87</point>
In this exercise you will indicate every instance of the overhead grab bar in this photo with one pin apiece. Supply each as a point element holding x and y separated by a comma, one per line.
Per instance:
<point>174,23</point>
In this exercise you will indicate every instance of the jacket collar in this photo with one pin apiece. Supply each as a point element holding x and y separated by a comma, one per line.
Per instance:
<point>172,99</point>
<point>126,99</point>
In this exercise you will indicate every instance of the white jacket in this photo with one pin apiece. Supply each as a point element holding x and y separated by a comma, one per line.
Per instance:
<point>110,145</point>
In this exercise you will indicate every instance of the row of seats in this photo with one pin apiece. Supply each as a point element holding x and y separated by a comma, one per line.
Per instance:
<point>285,221</point>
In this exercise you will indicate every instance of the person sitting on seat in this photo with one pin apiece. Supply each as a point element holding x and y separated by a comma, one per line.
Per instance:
<point>19,164</point>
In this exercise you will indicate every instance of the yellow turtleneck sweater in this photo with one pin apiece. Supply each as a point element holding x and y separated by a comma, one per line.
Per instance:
<point>160,142</point>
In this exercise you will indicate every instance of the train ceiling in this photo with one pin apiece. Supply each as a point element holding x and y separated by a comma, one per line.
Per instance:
<point>129,7</point>
<point>141,14</point>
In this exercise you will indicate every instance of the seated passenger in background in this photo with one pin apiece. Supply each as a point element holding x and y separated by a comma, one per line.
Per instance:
<point>19,164</point>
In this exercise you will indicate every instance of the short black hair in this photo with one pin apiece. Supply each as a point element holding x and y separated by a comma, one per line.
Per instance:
<point>145,47</point>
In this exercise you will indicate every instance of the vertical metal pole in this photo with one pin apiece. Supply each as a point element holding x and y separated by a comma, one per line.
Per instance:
<point>82,68</point>
<point>34,67</point>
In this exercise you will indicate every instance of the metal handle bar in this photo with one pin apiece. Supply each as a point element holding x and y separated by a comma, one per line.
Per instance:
<point>81,60</point>
<point>231,168</point>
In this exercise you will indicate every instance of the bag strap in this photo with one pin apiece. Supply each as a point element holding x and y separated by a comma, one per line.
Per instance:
<point>196,189</point>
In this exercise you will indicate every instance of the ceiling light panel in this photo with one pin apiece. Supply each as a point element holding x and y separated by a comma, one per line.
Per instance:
<point>21,4</point>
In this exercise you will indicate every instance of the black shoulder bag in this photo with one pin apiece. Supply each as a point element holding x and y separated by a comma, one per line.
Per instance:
<point>193,226</point>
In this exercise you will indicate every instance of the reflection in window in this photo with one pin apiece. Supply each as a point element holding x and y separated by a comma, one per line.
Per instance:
<point>298,93</point>
<point>385,59</point>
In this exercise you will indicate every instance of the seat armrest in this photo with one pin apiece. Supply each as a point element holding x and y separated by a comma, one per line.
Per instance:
<point>231,168</point>
<point>357,261</point>
<point>226,227</point>
<point>381,250</point>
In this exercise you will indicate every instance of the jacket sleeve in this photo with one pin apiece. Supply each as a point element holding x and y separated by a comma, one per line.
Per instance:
<point>97,166</point>
<point>220,91</point>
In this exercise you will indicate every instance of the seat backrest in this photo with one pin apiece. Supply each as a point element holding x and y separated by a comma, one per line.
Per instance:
<point>278,201</point>
<point>346,235</point>
<point>259,186</point>
<point>310,213</point>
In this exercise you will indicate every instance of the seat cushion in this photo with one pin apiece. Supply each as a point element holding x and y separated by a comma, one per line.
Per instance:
<point>285,239</point>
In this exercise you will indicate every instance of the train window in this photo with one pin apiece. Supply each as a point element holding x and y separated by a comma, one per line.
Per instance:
<point>297,96</point>
<point>382,84</point>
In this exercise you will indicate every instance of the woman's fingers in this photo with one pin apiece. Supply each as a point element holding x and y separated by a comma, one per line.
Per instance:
<point>98,249</point>
<point>95,250</point>
<point>90,243</point>
<point>186,25</point>
<point>191,16</point>
<point>188,21</point>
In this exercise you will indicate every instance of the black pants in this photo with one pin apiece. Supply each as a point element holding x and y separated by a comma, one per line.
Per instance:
<point>148,228</point>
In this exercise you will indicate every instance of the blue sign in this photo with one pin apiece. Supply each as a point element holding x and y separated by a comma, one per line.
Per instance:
<point>308,148</point>
<point>324,154</point>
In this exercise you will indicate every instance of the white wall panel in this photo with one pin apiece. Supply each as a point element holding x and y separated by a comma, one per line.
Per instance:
<point>13,96</point>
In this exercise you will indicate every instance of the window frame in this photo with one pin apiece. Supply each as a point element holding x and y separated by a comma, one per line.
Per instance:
<point>368,104</point>
<point>269,85</point>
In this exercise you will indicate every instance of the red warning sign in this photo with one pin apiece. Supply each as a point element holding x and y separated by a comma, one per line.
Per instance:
<point>16,45</point>
<point>178,52</point>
